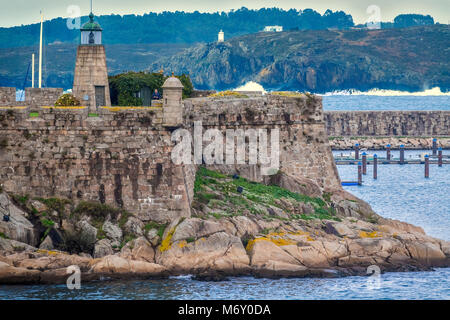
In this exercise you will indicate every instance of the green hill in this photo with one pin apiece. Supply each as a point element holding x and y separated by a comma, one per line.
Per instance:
<point>177,27</point>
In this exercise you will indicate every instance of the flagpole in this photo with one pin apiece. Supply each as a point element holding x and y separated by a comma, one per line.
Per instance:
<point>40,51</point>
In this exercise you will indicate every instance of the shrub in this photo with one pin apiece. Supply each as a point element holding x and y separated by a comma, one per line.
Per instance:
<point>67,100</point>
<point>47,223</point>
<point>55,204</point>
<point>97,211</point>
<point>22,200</point>
<point>123,87</point>
<point>153,225</point>
<point>292,94</point>
<point>76,242</point>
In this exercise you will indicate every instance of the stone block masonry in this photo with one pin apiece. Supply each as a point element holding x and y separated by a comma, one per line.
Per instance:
<point>7,96</point>
<point>303,145</point>
<point>118,158</point>
<point>34,97</point>
<point>123,156</point>
<point>37,97</point>
<point>387,123</point>
<point>380,142</point>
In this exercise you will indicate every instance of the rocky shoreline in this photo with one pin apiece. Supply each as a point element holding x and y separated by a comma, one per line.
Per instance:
<point>304,232</point>
<point>379,143</point>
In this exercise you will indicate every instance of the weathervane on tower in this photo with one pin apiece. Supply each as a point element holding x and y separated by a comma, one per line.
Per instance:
<point>91,32</point>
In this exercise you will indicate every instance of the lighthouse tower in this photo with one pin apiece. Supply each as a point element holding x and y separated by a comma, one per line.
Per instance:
<point>90,83</point>
<point>221,37</point>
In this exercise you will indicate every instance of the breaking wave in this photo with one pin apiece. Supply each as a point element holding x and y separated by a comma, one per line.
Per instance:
<point>436,91</point>
<point>251,86</point>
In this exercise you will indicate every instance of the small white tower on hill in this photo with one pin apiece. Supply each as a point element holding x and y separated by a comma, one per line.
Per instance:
<point>221,37</point>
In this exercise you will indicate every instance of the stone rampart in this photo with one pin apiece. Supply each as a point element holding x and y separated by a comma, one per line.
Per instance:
<point>122,155</point>
<point>34,97</point>
<point>387,123</point>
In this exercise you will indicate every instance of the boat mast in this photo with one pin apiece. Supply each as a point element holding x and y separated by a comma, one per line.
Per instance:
<point>32,70</point>
<point>40,52</point>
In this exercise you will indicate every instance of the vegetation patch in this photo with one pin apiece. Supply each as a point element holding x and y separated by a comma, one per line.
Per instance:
<point>291,94</point>
<point>67,100</point>
<point>55,204</point>
<point>19,199</point>
<point>158,226</point>
<point>98,213</point>
<point>127,238</point>
<point>47,223</point>
<point>190,240</point>
<point>166,243</point>
<point>227,94</point>
<point>101,234</point>
<point>125,86</point>
<point>221,194</point>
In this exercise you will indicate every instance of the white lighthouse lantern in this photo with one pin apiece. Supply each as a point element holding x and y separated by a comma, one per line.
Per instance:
<point>91,32</point>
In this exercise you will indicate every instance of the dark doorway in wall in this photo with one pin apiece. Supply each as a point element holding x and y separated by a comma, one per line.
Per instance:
<point>146,96</point>
<point>99,96</point>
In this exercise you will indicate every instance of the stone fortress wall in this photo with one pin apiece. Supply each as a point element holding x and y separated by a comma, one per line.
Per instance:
<point>387,123</point>
<point>376,129</point>
<point>119,158</point>
<point>338,123</point>
<point>122,156</point>
<point>34,97</point>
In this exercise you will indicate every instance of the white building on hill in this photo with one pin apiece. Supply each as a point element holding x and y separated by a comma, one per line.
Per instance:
<point>273,29</point>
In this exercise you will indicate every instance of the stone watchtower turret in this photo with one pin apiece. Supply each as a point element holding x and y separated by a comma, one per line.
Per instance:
<point>90,84</point>
<point>172,106</point>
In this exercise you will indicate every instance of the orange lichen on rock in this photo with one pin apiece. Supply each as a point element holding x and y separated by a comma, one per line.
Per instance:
<point>274,237</point>
<point>373,234</point>
<point>166,243</point>
<point>182,244</point>
<point>48,252</point>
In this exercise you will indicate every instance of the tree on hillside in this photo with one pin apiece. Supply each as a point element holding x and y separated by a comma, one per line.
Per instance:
<point>178,27</point>
<point>410,20</point>
<point>124,87</point>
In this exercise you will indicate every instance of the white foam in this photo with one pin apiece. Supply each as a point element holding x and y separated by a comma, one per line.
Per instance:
<point>251,86</point>
<point>436,91</point>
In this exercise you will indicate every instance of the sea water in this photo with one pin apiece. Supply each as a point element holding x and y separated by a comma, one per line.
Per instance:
<point>378,103</point>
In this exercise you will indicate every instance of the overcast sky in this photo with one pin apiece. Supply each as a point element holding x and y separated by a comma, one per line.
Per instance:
<point>17,12</point>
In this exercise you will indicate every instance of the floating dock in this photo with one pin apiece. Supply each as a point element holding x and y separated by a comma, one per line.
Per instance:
<point>350,183</point>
